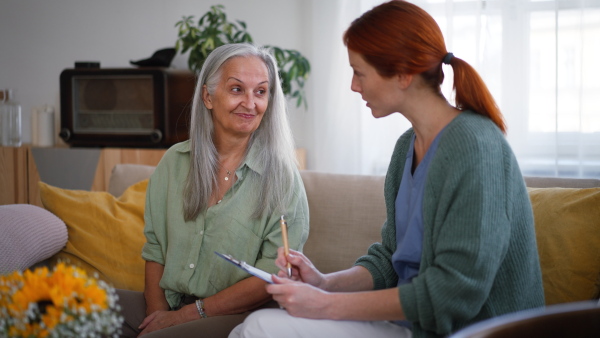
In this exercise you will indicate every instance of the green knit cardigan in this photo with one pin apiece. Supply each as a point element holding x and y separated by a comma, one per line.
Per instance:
<point>479,256</point>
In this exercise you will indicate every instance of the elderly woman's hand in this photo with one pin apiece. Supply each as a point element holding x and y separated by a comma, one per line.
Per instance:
<point>162,319</point>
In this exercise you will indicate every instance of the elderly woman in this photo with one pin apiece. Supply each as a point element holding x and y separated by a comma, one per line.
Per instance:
<point>223,190</point>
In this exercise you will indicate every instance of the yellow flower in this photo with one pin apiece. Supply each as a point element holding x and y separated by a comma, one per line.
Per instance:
<point>35,289</point>
<point>39,303</point>
<point>65,287</point>
<point>51,318</point>
<point>13,332</point>
<point>93,295</point>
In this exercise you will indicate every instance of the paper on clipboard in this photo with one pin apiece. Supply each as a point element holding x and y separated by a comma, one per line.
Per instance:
<point>248,268</point>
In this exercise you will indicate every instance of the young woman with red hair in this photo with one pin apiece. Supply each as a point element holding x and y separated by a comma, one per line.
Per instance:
<point>459,244</point>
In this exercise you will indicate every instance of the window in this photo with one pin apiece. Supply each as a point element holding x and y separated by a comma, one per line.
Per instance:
<point>539,59</point>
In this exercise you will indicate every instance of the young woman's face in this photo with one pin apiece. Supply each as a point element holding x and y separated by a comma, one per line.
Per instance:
<point>381,94</point>
<point>241,97</point>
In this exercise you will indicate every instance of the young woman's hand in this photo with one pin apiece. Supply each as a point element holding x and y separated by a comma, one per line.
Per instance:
<point>302,268</point>
<point>300,299</point>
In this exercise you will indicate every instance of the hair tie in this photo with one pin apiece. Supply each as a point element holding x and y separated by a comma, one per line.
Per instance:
<point>448,58</point>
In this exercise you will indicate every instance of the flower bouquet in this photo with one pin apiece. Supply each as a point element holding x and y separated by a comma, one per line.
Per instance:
<point>62,302</point>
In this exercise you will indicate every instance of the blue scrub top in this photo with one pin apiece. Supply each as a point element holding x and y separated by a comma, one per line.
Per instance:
<point>409,217</point>
<point>409,214</point>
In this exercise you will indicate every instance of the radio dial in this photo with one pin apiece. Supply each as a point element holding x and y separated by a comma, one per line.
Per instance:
<point>156,136</point>
<point>65,134</point>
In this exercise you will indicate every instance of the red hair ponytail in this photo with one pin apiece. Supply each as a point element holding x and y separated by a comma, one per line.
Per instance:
<point>398,37</point>
<point>473,94</point>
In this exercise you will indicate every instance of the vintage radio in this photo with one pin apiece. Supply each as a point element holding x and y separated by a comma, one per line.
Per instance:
<point>132,107</point>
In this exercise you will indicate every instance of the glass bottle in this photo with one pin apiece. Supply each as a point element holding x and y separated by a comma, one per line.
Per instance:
<point>2,94</point>
<point>11,120</point>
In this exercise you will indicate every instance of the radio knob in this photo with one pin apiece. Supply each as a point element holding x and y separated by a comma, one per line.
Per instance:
<point>156,136</point>
<point>65,134</point>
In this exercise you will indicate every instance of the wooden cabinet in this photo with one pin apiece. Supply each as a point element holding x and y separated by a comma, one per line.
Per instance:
<point>20,168</point>
<point>14,178</point>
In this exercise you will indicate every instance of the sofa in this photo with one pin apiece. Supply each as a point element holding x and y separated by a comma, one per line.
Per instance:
<point>346,215</point>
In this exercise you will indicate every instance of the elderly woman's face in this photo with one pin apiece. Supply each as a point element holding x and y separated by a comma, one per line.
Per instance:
<point>241,97</point>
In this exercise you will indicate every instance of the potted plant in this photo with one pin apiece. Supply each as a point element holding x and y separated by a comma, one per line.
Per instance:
<point>213,30</point>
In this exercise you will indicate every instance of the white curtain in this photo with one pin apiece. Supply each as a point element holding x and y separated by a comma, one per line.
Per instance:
<point>538,57</point>
<point>334,126</point>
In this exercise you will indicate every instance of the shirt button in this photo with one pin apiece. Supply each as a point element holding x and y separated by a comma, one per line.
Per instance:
<point>201,232</point>
<point>192,266</point>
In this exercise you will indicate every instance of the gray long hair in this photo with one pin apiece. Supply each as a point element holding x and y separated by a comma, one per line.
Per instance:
<point>273,136</point>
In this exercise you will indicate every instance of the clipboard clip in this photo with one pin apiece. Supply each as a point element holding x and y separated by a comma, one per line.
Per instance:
<point>231,259</point>
<point>246,267</point>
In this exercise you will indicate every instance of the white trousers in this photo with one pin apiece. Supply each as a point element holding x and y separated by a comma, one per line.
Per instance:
<point>277,323</point>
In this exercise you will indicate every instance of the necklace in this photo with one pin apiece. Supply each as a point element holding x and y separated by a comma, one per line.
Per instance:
<point>226,179</point>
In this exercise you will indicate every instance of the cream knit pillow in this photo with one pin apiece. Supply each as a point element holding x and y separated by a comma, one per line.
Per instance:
<point>28,235</point>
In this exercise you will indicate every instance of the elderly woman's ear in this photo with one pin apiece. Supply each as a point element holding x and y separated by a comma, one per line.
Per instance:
<point>206,98</point>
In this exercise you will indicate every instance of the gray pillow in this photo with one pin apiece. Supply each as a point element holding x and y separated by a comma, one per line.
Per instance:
<point>28,235</point>
<point>125,175</point>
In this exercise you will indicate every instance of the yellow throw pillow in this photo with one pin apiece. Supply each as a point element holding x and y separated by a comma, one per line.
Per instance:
<point>567,223</point>
<point>106,234</point>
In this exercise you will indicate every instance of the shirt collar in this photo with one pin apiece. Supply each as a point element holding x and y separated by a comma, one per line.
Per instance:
<point>182,147</point>
<point>252,159</point>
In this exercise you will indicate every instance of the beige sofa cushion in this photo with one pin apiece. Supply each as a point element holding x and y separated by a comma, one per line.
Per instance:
<point>340,229</point>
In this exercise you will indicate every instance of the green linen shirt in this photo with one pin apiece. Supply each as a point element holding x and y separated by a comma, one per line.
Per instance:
<point>479,256</point>
<point>186,249</point>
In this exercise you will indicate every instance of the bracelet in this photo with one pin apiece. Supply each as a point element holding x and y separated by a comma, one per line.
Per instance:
<point>200,307</point>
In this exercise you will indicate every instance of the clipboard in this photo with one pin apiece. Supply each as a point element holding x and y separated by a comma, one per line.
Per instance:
<point>248,268</point>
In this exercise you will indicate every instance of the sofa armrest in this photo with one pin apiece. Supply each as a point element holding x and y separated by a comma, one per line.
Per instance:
<point>560,182</point>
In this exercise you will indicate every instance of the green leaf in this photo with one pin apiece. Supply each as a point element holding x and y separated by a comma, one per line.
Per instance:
<point>236,37</point>
<point>201,20</point>
<point>218,42</point>
<point>279,56</point>
<point>293,71</point>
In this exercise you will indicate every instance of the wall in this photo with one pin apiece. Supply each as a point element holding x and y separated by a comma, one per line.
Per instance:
<point>38,39</point>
